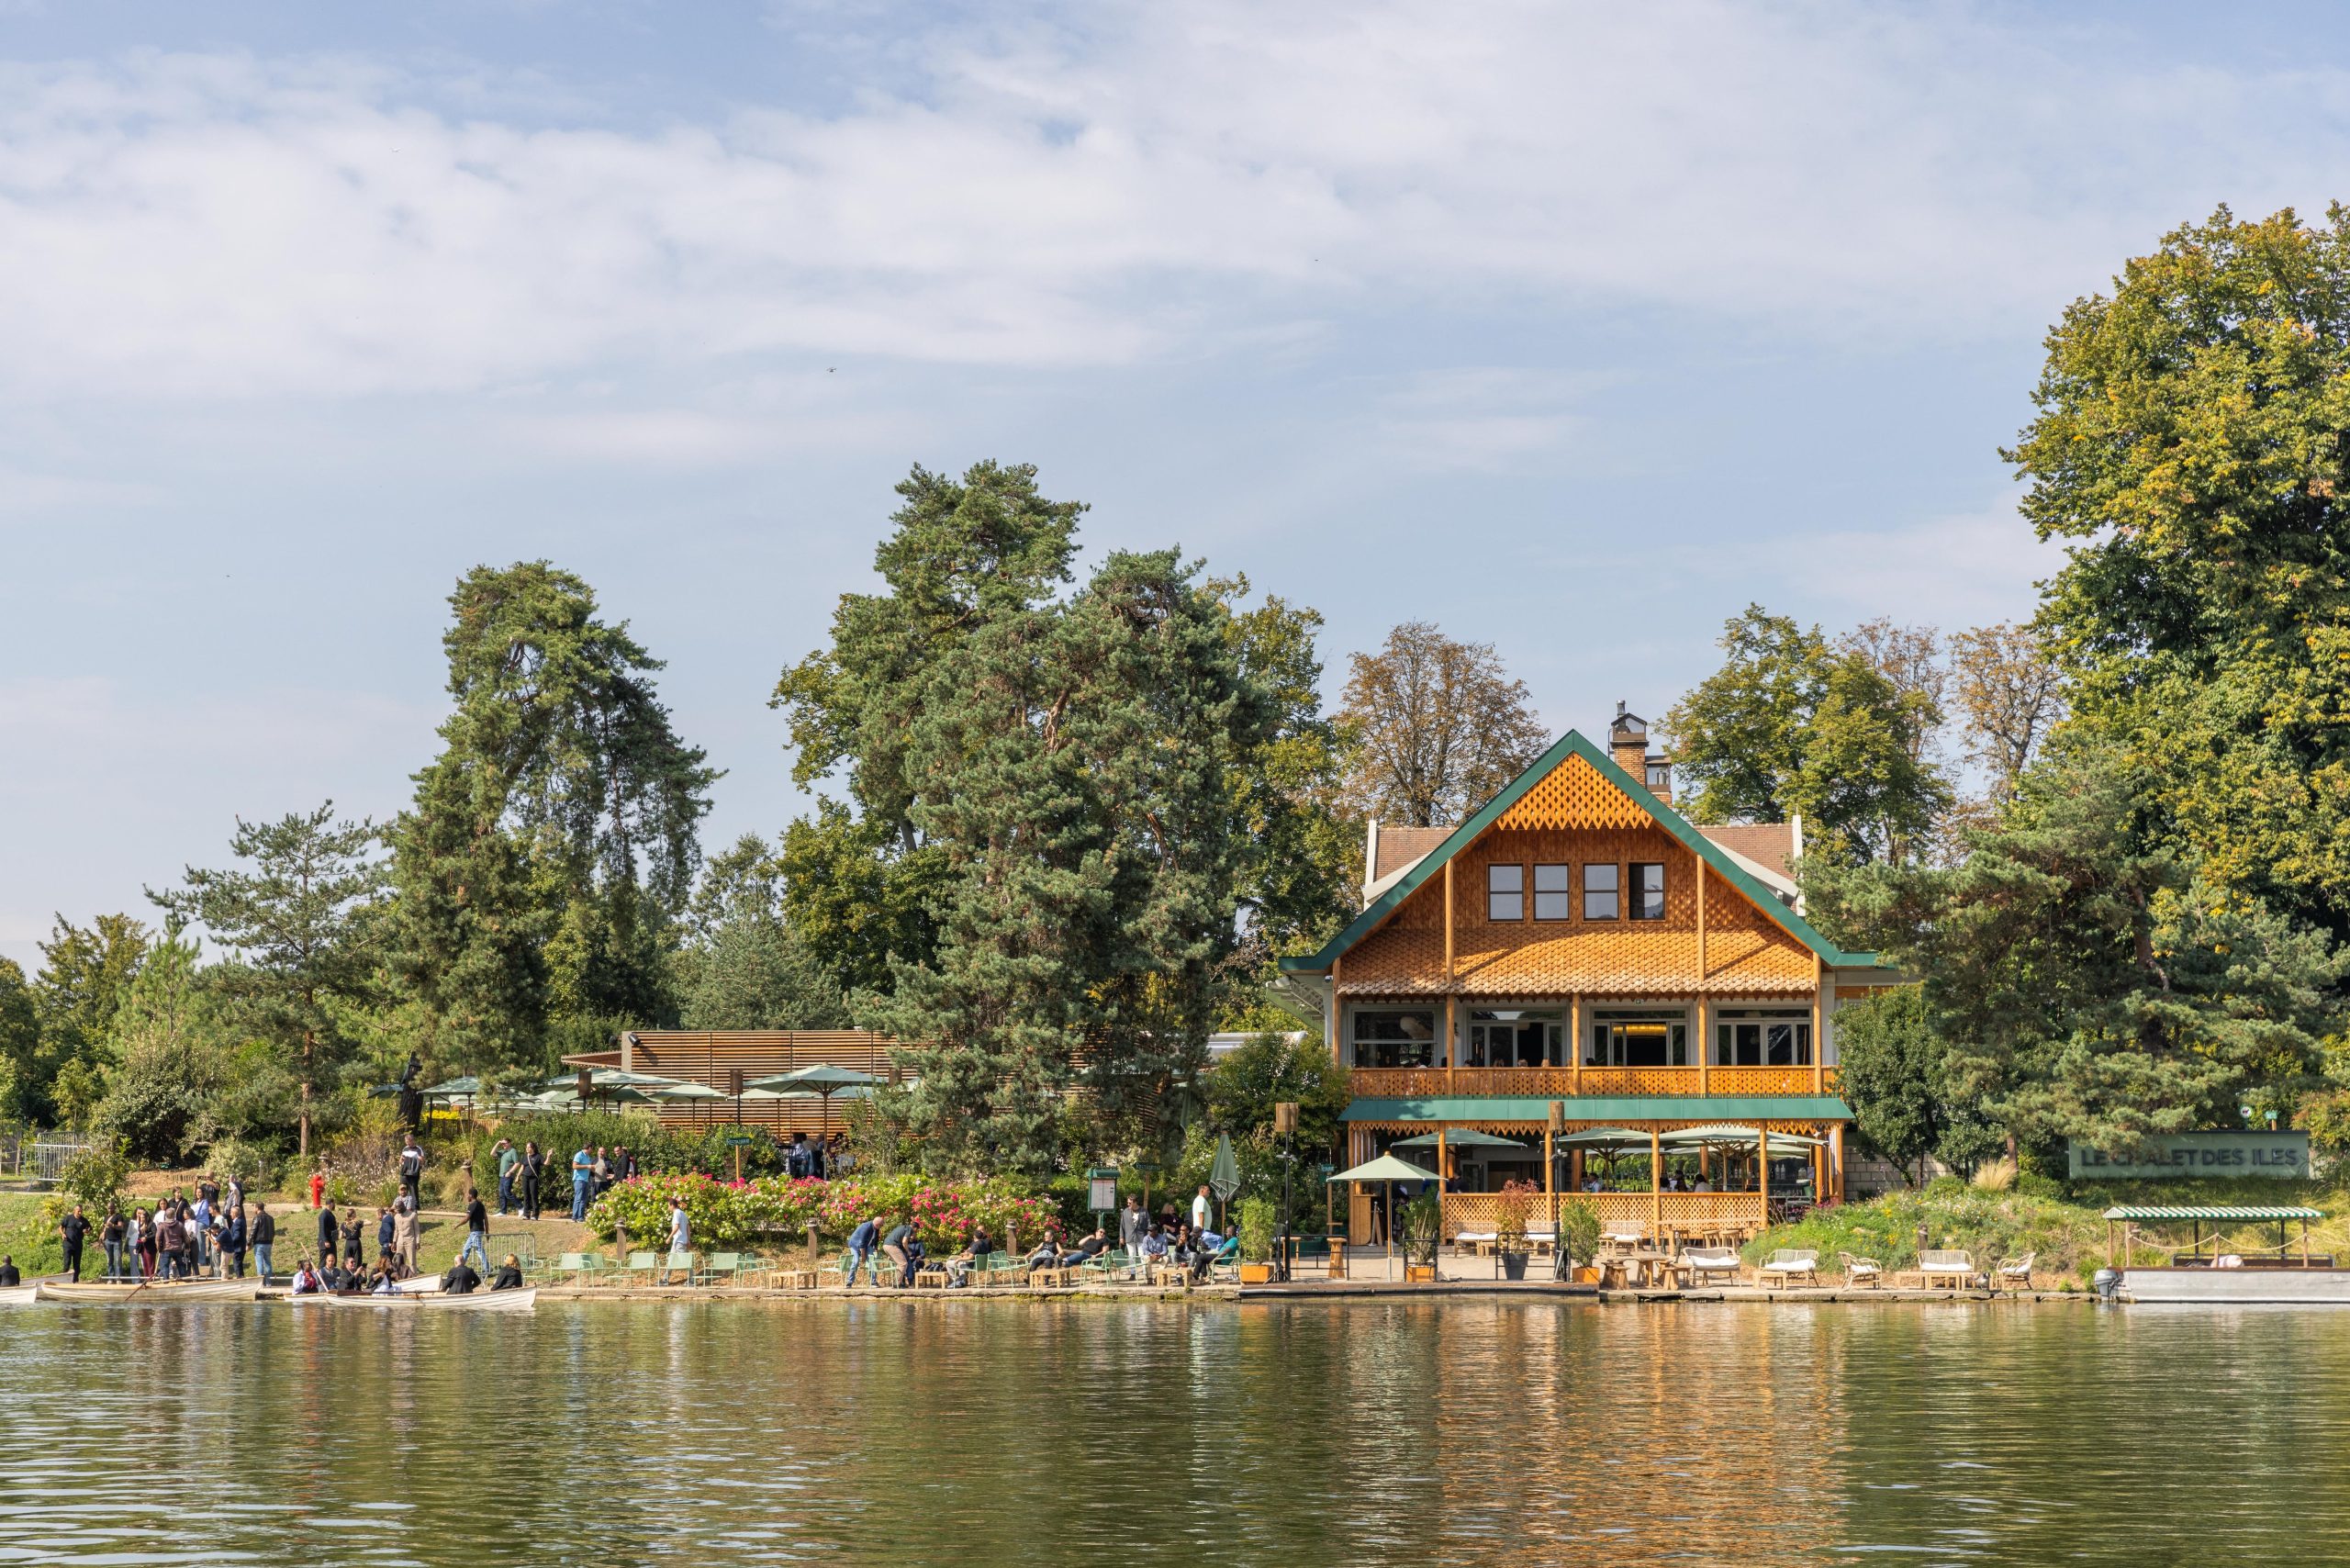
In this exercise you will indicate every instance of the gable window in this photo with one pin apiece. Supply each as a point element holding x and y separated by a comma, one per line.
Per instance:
<point>1554,896</point>
<point>1394,1036</point>
<point>1624,1036</point>
<point>1648,892</point>
<point>1599,892</point>
<point>1763,1037</point>
<point>1505,893</point>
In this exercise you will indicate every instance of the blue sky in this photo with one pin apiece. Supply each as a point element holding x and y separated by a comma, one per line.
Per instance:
<point>1572,328</point>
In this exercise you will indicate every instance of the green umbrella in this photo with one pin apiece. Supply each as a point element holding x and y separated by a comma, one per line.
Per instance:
<point>1390,1170</point>
<point>1459,1137</point>
<point>1224,1175</point>
<point>821,1078</point>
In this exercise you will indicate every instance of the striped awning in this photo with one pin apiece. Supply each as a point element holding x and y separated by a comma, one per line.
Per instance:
<point>2223,1213</point>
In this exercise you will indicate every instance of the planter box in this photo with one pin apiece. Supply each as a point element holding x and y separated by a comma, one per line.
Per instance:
<point>1255,1273</point>
<point>1419,1273</point>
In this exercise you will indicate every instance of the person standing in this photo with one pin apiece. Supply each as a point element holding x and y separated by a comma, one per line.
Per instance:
<point>1200,1210</point>
<point>199,1231</point>
<point>382,1234</point>
<point>405,1234</point>
<point>898,1247</point>
<point>70,1231</point>
<point>861,1242</point>
<point>234,1236</point>
<point>411,1167</point>
<point>111,1235</point>
<point>263,1232</point>
<point>476,1231</point>
<point>319,1186</point>
<point>143,1242</point>
<point>534,1169</point>
<point>353,1254</point>
<point>330,1239</point>
<point>681,1242</point>
<point>506,1161</point>
<point>1133,1225</point>
<point>601,1170</point>
<point>168,1239</point>
<point>583,1172</point>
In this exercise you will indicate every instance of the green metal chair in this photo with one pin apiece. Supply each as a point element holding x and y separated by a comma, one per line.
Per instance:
<point>722,1268</point>
<point>639,1267</point>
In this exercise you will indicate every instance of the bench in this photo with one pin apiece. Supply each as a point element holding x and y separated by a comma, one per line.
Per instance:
<point>1789,1264</point>
<point>1946,1263</point>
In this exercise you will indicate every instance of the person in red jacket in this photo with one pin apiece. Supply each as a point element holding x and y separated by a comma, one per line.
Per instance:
<point>319,1186</point>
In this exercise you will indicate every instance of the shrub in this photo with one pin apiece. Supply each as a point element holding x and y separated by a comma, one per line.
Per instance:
<point>1420,1225</point>
<point>248,1163</point>
<point>723,1215</point>
<point>1260,1226</point>
<point>95,1178</point>
<point>1511,1210</point>
<point>1578,1231</point>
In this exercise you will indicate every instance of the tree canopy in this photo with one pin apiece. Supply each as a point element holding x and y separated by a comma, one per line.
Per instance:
<point>1434,728</point>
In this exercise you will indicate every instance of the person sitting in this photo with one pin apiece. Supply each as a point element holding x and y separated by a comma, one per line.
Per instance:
<point>306,1279</point>
<point>959,1267</point>
<point>509,1276</point>
<point>915,1256</point>
<point>1590,1184</point>
<point>8,1275</point>
<point>1047,1254</point>
<point>1154,1249</point>
<point>1092,1247</point>
<point>1702,1185</point>
<point>380,1281</point>
<point>460,1280</point>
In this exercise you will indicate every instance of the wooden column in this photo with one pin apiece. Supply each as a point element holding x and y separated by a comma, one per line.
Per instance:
<point>1451,1047</point>
<point>1836,1160</point>
<point>1443,1172</point>
<point>1575,1044</point>
<point>1656,1186</point>
<point>1704,1045</point>
<point>1819,1035</point>
<point>1762,1173</point>
<point>1338,1052</point>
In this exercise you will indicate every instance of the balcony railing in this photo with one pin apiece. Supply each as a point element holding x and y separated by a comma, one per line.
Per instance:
<point>1560,1082</point>
<point>1479,1213</point>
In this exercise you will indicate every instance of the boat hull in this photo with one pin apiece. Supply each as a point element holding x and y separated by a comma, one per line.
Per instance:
<point>172,1293</point>
<point>19,1295</point>
<point>474,1301</point>
<point>2238,1287</point>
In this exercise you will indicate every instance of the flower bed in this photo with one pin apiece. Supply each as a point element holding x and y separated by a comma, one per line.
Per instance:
<point>724,1216</point>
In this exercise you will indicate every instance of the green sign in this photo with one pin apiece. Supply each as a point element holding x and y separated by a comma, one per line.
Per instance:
<point>738,1140</point>
<point>2201,1154</point>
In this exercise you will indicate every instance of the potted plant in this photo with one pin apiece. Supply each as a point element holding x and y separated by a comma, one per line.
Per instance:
<point>1259,1223</point>
<point>1511,1207</point>
<point>1578,1236</point>
<point>1421,1228</point>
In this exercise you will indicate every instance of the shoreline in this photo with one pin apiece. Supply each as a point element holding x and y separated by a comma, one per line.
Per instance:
<point>1317,1292</point>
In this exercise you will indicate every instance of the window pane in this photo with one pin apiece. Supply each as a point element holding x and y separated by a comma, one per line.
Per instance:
<point>1553,906</point>
<point>1599,892</point>
<point>1779,1046</point>
<point>1648,893</point>
<point>1551,879</point>
<point>1505,906</point>
<point>1505,878</point>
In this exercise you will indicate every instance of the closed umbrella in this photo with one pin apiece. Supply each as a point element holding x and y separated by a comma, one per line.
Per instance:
<point>1224,1175</point>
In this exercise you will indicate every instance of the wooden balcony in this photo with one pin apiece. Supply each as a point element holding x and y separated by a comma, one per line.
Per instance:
<point>1565,1083</point>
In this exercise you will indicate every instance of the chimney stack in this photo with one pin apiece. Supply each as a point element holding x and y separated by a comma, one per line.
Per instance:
<point>1628,743</point>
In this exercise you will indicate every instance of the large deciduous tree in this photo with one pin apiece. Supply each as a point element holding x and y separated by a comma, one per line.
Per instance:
<point>2010,696</point>
<point>80,983</point>
<point>743,966</point>
<point>1795,724</point>
<point>294,967</point>
<point>1434,727</point>
<point>552,842</point>
<point>2192,439</point>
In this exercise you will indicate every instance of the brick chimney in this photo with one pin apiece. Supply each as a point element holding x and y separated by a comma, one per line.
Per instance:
<point>1627,742</point>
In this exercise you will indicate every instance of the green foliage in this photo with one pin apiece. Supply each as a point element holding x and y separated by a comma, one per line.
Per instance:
<point>742,967</point>
<point>20,1040</point>
<point>1794,723</point>
<point>1245,1085</point>
<point>2190,441</point>
<point>97,1178</point>
<point>76,991</point>
<point>2325,1115</point>
<point>1260,1228</point>
<point>1895,1077</point>
<point>2088,984</point>
<point>1578,1230</point>
<point>1419,1226</point>
<point>289,925</point>
<point>552,844</point>
<point>173,1059</point>
<point>861,896</point>
<point>256,1165</point>
<point>777,1209</point>
<point>1990,1225</point>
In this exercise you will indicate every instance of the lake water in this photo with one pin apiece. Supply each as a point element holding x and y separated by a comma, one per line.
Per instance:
<point>1474,1431</point>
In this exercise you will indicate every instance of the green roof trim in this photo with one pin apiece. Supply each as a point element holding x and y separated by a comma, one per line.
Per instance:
<point>1572,744</point>
<point>2226,1214</point>
<point>1651,1108</point>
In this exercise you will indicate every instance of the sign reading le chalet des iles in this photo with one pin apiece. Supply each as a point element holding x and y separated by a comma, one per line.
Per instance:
<point>2202,1154</point>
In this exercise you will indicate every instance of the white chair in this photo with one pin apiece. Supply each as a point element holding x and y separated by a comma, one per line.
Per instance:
<point>1790,1264</point>
<point>1862,1272</point>
<point>2016,1273</point>
<point>1712,1263</point>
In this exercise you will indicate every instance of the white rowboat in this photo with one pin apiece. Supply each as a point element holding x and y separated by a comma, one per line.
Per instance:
<point>473,1301</point>
<point>19,1295</point>
<point>149,1292</point>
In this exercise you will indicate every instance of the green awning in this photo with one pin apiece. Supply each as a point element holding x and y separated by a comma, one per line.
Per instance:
<point>1658,1108</point>
<point>2225,1214</point>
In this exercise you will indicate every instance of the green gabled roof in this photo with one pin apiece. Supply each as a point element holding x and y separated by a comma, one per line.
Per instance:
<point>1572,744</point>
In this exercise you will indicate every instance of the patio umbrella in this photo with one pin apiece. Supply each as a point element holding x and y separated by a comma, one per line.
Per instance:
<point>1389,1170</point>
<point>683,1090</point>
<point>1459,1137</point>
<point>1224,1175</point>
<point>821,1078</point>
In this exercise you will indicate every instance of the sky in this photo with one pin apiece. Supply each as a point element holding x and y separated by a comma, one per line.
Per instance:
<point>1569,328</point>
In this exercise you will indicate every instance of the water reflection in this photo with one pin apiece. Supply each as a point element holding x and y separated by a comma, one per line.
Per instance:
<point>1480,1431</point>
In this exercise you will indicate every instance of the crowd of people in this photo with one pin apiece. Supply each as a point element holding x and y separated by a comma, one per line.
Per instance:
<point>179,1239</point>
<point>1169,1239</point>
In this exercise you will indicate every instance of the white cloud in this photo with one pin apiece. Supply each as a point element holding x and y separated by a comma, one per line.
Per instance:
<point>1131,181</point>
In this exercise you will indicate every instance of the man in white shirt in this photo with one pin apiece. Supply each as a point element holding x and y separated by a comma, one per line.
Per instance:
<point>681,1240</point>
<point>1200,1211</point>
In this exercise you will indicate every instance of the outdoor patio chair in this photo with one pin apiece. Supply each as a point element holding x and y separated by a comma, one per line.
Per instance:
<point>686,1263</point>
<point>1862,1272</point>
<point>2016,1273</point>
<point>584,1268</point>
<point>723,1268</point>
<point>1719,1263</point>
<point>1543,1241</point>
<point>1475,1242</point>
<point>1946,1263</point>
<point>639,1268</point>
<point>1789,1264</point>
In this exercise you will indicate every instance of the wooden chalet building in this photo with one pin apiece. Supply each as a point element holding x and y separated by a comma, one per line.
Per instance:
<point>1579,943</point>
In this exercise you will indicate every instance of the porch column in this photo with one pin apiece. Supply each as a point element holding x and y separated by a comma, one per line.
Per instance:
<point>1575,1047</point>
<point>1818,1036</point>
<point>1836,1159</point>
<point>1656,1186</point>
<point>1451,1047</point>
<point>1763,1173</point>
